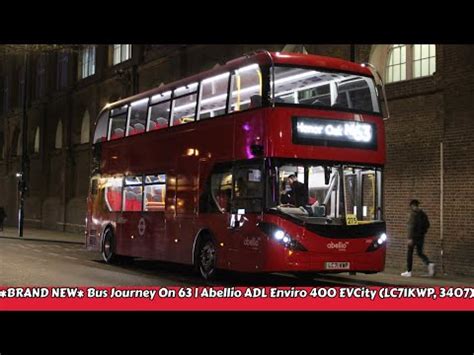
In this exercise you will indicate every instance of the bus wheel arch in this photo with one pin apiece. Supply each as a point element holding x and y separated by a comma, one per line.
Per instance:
<point>205,254</point>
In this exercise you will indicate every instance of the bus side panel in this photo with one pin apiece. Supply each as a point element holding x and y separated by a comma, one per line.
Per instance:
<point>186,206</point>
<point>201,149</point>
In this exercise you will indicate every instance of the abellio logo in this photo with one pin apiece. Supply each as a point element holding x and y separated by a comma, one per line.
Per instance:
<point>338,245</point>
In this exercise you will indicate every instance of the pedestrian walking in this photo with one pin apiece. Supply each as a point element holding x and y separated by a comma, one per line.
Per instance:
<point>418,225</point>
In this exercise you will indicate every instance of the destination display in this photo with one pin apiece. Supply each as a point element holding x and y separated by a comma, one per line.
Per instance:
<point>337,133</point>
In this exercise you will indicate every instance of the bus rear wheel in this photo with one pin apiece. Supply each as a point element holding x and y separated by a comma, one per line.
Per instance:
<point>206,259</point>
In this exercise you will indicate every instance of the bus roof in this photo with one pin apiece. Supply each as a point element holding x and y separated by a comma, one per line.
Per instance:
<point>260,57</point>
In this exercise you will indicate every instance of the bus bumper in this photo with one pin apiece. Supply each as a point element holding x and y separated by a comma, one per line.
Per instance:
<point>293,261</point>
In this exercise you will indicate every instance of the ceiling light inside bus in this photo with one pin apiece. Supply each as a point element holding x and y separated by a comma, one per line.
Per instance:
<point>139,102</point>
<point>187,87</point>
<point>247,68</point>
<point>215,78</point>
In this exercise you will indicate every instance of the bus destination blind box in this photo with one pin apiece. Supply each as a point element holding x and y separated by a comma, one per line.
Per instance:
<point>335,133</point>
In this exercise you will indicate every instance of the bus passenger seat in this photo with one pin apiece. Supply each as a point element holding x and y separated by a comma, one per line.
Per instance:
<point>138,128</point>
<point>152,125</point>
<point>161,122</point>
<point>118,133</point>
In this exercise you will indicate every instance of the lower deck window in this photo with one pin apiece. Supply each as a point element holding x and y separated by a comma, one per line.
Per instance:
<point>133,193</point>
<point>113,194</point>
<point>155,193</point>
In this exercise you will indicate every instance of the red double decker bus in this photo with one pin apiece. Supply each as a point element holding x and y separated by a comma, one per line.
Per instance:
<point>270,163</point>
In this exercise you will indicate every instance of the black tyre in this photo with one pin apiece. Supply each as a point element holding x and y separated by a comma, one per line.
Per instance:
<point>206,258</point>
<point>108,247</point>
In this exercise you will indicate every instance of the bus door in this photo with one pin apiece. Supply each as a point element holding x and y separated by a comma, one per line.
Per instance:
<point>215,206</point>
<point>246,209</point>
<point>186,205</point>
<point>171,225</point>
<point>131,225</point>
<point>153,221</point>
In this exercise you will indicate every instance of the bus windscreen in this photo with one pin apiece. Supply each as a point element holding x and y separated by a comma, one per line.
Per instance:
<point>337,90</point>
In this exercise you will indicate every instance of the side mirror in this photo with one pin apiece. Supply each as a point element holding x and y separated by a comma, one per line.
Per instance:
<point>380,88</point>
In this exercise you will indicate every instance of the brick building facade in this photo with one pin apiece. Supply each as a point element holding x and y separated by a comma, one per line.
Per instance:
<point>430,135</point>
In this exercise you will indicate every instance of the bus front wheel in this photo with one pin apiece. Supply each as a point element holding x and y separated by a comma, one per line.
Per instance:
<point>108,248</point>
<point>206,258</point>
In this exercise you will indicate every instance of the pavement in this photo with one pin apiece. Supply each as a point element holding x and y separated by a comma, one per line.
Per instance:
<point>45,235</point>
<point>388,277</point>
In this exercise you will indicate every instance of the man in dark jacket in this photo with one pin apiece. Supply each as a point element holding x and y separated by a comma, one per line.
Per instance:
<point>418,225</point>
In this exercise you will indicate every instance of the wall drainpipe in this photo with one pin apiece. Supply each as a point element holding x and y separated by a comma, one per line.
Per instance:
<point>441,205</point>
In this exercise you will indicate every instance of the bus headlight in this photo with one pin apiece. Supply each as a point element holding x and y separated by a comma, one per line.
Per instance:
<point>284,238</point>
<point>279,234</point>
<point>379,242</point>
<point>382,239</point>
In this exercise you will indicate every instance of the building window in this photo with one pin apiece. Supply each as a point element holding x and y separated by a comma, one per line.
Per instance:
<point>412,61</point>
<point>62,70</point>
<point>424,60</point>
<point>121,53</point>
<point>397,63</point>
<point>36,147</point>
<point>40,76</point>
<point>85,128</point>
<point>87,62</point>
<point>58,142</point>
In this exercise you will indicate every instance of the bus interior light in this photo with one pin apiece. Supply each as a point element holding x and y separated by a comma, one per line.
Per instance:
<point>215,78</point>
<point>139,102</point>
<point>247,68</point>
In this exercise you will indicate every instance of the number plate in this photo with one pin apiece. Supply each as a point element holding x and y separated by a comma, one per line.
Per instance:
<point>337,266</point>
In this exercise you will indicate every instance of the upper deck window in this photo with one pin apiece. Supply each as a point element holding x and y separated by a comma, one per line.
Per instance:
<point>117,126</point>
<point>138,115</point>
<point>214,96</point>
<point>246,88</point>
<point>100,133</point>
<point>336,90</point>
<point>184,104</point>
